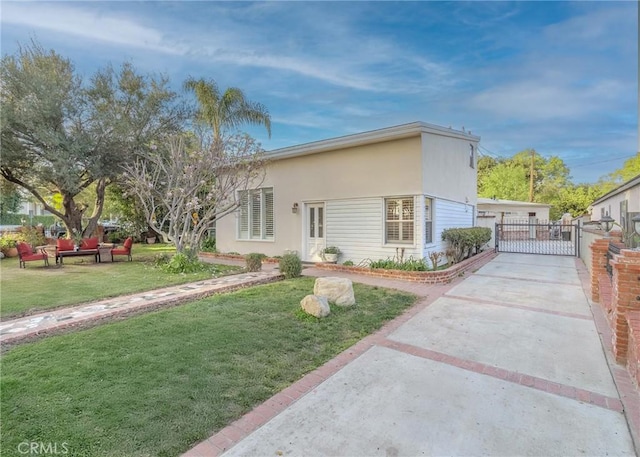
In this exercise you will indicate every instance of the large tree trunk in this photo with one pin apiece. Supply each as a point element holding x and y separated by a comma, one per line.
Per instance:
<point>72,217</point>
<point>101,185</point>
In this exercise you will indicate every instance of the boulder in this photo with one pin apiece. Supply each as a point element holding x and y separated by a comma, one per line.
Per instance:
<point>337,290</point>
<point>315,305</point>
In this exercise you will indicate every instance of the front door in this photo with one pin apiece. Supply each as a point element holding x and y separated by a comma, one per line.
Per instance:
<point>315,232</point>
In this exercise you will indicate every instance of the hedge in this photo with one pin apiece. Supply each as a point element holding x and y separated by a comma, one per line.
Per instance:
<point>464,242</point>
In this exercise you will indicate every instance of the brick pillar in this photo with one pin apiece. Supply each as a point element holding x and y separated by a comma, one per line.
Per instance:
<point>626,298</point>
<point>598,262</point>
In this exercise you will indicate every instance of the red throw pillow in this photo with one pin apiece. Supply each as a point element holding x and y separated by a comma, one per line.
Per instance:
<point>89,243</point>
<point>64,245</point>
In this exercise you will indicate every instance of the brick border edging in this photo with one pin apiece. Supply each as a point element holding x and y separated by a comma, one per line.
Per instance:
<point>629,395</point>
<point>427,277</point>
<point>124,313</point>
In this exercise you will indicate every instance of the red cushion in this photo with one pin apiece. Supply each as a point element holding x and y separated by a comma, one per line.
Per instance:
<point>128,243</point>
<point>38,256</point>
<point>120,251</point>
<point>89,243</point>
<point>24,249</point>
<point>63,244</point>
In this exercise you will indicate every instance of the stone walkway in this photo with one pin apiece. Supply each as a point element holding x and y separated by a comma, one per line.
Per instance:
<point>31,327</point>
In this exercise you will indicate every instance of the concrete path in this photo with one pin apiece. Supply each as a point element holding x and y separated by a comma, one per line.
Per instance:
<point>506,362</point>
<point>27,328</point>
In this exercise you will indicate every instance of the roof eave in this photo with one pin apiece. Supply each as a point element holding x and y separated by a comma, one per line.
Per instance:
<point>374,136</point>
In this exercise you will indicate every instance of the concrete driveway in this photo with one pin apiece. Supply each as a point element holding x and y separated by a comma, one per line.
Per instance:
<point>506,362</point>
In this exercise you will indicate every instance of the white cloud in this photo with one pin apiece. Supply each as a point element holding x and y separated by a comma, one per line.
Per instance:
<point>88,24</point>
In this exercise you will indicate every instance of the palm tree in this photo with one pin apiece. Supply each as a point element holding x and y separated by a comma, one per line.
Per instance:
<point>227,110</point>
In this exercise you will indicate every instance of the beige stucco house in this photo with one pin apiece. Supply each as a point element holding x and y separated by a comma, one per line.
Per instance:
<point>373,195</point>
<point>622,204</point>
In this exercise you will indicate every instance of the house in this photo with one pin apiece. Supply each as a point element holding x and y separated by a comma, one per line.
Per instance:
<point>492,211</point>
<point>374,195</point>
<point>511,211</point>
<point>621,203</point>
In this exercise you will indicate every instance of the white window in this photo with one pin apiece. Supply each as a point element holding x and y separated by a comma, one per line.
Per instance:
<point>399,221</point>
<point>428,220</point>
<point>472,157</point>
<point>255,220</point>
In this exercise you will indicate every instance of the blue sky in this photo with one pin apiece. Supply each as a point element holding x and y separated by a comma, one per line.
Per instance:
<point>560,77</point>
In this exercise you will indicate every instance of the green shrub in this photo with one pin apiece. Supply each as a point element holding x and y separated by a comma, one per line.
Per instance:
<point>254,261</point>
<point>290,266</point>
<point>348,263</point>
<point>209,244</point>
<point>464,242</point>
<point>9,240</point>
<point>17,219</point>
<point>183,262</point>
<point>409,264</point>
<point>33,236</point>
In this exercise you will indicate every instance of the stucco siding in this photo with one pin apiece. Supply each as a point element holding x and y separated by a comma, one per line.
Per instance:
<point>612,204</point>
<point>446,168</point>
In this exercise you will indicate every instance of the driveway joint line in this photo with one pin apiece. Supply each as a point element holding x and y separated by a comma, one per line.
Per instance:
<point>482,301</point>
<point>523,379</point>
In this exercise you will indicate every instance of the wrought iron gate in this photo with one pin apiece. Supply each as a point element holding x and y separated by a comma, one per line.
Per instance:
<point>526,238</point>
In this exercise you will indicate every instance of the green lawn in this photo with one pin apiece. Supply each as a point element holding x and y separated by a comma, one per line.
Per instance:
<point>36,288</point>
<point>159,383</point>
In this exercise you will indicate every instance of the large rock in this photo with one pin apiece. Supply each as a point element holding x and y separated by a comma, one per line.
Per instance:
<point>315,305</point>
<point>337,290</point>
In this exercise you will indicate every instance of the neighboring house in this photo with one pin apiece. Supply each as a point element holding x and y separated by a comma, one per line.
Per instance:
<point>373,195</point>
<point>511,211</point>
<point>622,204</point>
<point>29,208</point>
<point>492,211</point>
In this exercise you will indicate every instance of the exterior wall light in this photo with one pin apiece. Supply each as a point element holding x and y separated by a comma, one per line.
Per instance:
<point>294,208</point>
<point>607,222</point>
<point>636,224</point>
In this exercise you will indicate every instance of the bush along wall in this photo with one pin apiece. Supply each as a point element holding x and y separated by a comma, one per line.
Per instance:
<point>465,242</point>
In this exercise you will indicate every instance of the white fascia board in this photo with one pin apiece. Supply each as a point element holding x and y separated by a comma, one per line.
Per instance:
<point>374,136</point>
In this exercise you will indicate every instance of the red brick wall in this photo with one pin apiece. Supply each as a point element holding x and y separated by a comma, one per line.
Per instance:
<point>429,277</point>
<point>598,262</point>
<point>626,298</point>
<point>633,354</point>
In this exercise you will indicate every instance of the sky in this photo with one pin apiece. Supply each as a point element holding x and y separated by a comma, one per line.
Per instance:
<point>558,77</point>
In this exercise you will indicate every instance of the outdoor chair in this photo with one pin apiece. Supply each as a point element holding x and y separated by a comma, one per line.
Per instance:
<point>26,254</point>
<point>125,249</point>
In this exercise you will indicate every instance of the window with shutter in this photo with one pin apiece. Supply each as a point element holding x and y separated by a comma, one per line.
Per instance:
<point>428,221</point>
<point>399,224</point>
<point>256,215</point>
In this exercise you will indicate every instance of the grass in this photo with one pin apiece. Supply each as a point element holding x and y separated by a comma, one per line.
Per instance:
<point>37,288</point>
<point>159,383</point>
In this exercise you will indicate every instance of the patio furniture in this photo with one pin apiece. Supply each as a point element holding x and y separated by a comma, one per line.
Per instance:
<point>67,248</point>
<point>124,250</point>
<point>26,254</point>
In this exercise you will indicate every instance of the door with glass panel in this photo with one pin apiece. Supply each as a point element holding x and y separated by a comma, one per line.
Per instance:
<point>315,228</point>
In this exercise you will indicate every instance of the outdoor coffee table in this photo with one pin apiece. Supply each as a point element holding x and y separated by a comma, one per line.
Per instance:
<point>80,252</point>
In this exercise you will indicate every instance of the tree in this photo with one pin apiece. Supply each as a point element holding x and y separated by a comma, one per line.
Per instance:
<point>630,169</point>
<point>184,189</point>
<point>10,197</point>
<point>507,181</point>
<point>575,200</point>
<point>60,136</point>
<point>510,178</point>
<point>228,110</point>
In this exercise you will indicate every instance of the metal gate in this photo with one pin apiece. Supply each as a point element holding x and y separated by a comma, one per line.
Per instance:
<point>526,238</point>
